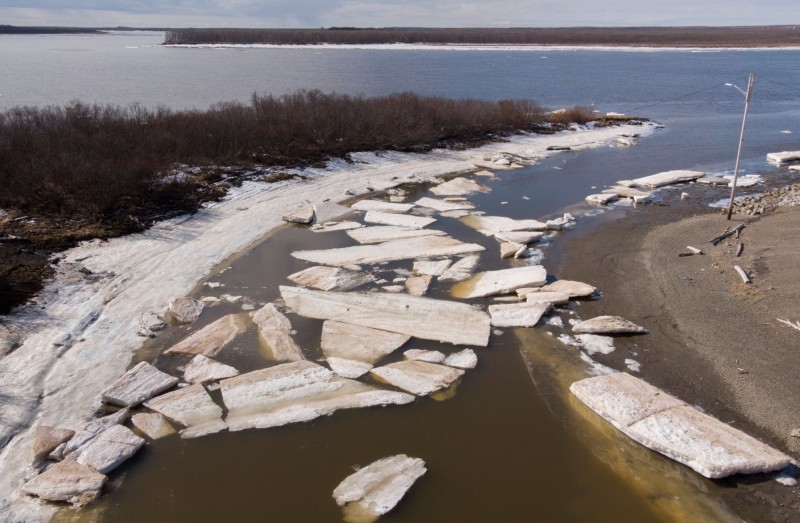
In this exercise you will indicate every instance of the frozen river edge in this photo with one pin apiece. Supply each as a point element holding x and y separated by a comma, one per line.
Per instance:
<point>82,334</point>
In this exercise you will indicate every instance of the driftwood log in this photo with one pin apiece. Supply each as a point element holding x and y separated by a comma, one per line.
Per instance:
<point>716,239</point>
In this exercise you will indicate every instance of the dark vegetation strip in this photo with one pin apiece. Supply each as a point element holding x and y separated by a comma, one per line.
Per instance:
<point>96,171</point>
<point>751,36</point>
<point>41,30</point>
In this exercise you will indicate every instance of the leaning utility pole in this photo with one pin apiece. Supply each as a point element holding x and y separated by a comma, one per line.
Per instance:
<point>747,97</point>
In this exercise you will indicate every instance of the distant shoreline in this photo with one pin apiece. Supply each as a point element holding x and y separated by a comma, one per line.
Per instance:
<point>613,37</point>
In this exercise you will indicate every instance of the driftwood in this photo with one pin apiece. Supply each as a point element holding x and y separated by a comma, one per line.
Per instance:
<point>795,325</point>
<point>695,250</point>
<point>715,240</point>
<point>745,277</point>
<point>739,249</point>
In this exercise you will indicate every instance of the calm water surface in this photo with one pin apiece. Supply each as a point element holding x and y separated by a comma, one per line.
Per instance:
<point>505,447</point>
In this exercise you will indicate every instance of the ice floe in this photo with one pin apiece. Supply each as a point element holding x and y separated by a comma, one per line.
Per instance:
<point>212,338</point>
<point>140,383</point>
<point>424,318</point>
<point>403,249</point>
<point>294,393</point>
<point>667,425</point>
<point>377,488</point>
<point>491,225</point>
<point>67,481</point>
<point>152,424</point>
<point>202,369</point>
<point>458,187</point>
<point>378,205</point>
<point>275,329</point>
<point>518,314</point>
<point>444,205</point>
<point>397,220</point>
<point>331,278</point>
<point>192,407</point>
<point>431,267</point>
<point>461,270</point>
<point>663,178</point>
<point>465,359</point>
<point>417,377</point>
<point>185,309</point>
<point>500,282</point>
<point>784,157</point>
<point>385,233</point>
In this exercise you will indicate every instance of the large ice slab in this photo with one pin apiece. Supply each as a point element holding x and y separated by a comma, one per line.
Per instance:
<point>296,392</point>
<point>404,249</point>
<point>192,407</point>
<point>152,424</point>
<point>663,178</point>
<point>397,220</point>
<point>140,383</point>
<point>110,449</point>
<point>375,489</point>
<point>378,205</point>
<point>211,339</point>
<point>783,157</point>
<point>492,225</point>
<point>417,377</point>
<point>385,233</point>
<point>67,481</point>
<point>354,342</point>
<point>667,425</point>
<point>503,281</point>
<point>424,318</point>
<point>185,309</point>
<point>331,278</point>
<point>276,330</point>
<point>327,211</point>
<point>458,187</point>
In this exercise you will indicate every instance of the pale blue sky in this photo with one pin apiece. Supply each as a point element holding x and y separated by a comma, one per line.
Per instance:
<point>376,13</point>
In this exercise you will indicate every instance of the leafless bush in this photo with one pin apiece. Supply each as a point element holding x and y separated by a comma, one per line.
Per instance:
<point>578,114</point>
<point>93,159</point>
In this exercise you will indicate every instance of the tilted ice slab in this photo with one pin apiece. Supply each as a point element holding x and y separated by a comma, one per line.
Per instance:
<point>404,249</point>
<point>330,278</point>
<point>376,489</point>
<point>354,342</point>
<point>461,269</point>
<point>140,273</point>
<point>296,392</point>
<point>431,267</point>
<point>783,157</point>
<point>425,318</point>
<point>667,425</point>
<point>192,407</point>
<point>385,233</point>
<point>575,289</point>
<point>491,225</point>
<point>664,178</point>
<point>503,281</point>
<point>211,339</point>
<point>608,325</point>
<point>276,330</point>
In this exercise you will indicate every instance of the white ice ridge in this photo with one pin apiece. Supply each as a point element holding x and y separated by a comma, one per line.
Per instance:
<point>94,319</point>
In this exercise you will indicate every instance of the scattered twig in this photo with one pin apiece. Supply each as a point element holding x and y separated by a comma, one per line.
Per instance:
<point>745,277</point>
<point>739,249</point>
<point>795,325</point>
<point>684,254</point>
<point>695,250</point>
<point>715,240</point>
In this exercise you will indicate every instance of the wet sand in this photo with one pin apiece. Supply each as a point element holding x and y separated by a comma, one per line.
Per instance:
<point>714,341</point>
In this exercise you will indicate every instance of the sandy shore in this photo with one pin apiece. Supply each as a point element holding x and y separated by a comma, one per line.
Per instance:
<point>714,341</point>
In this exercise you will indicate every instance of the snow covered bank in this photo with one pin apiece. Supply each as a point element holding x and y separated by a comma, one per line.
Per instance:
<point>81,336</point>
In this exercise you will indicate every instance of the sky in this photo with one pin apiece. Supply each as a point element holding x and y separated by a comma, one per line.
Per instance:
<point>383,13</point>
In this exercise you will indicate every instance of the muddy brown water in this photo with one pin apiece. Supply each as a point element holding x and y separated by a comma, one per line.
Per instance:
<point>511,444</point>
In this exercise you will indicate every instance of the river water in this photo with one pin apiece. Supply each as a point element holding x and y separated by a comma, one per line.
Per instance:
<point>510,445</point>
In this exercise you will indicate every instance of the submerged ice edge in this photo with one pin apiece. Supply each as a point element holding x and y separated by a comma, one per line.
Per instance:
<point>95,318</point>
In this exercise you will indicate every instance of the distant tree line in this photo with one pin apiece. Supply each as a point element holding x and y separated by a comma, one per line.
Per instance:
<point>636,36</point>
<point>89,160</point>
<point>13,29</point>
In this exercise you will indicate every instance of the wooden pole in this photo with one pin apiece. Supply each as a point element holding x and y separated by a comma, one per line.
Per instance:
<point>747,97</point>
